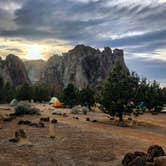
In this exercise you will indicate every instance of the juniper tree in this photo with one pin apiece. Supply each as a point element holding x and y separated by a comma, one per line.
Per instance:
<point>118,91</point>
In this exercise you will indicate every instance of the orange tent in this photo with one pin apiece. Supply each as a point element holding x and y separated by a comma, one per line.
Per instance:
<point>57,104</point>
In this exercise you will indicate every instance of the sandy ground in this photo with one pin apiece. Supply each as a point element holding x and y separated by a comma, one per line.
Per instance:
<point>78,142</point>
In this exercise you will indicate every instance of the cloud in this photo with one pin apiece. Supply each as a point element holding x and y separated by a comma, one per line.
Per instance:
<point>136,26</point>
<point>151,68</point>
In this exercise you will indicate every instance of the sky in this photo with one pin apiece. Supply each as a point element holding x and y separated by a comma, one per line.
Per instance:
<point>34,29</point>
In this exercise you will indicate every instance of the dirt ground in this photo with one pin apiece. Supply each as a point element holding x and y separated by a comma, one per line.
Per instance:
<point>78,142</point>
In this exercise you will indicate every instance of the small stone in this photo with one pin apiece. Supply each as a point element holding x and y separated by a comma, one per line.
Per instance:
<point>65,115</point>
<point>54,121</point>
<point>45,119</point>
<point>87,119</point>
<point>41,124</point>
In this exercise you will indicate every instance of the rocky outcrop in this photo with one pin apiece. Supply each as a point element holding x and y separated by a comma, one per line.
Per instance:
<point>34,69</point>
<point>82,66</point>
<point>12,69</point>
<point>155,156</point>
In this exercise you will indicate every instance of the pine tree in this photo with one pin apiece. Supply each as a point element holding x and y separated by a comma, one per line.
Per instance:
<point>118,91</point>
<point>70,96</point>
<point>86,97</point>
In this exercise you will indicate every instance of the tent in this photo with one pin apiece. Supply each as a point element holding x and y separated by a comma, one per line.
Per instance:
<point>13,102</point>
<point>55,102</point>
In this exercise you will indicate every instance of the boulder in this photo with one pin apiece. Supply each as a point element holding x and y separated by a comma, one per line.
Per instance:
<point>129,157</point>
<point>134,159</point>
<point>154,151</point>
<point>138,161</point>
<point>141,154</point>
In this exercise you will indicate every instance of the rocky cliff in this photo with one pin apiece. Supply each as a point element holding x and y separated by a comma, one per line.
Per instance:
<point>12,69</point>
<point>82,66</point>
<point>34,69</point>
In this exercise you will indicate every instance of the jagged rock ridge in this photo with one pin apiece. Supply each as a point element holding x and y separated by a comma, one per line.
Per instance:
<point>82,66</point>
<point>12,69</point>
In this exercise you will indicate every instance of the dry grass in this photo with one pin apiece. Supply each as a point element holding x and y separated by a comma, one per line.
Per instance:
<point>78,142</point>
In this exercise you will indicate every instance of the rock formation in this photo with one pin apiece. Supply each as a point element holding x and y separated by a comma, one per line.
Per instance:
<point>82,66</point>
<point>34,69</point>
<point>13,70</point>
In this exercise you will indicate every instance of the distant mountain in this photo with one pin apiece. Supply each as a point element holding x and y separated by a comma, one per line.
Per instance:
<point>12,69</point>
<point>82,66</point>
<point>34,69</point>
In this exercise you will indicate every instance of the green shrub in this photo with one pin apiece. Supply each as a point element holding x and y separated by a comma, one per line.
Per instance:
<point>24,108</point>
<point>85,110</point>
<point>75,110</point>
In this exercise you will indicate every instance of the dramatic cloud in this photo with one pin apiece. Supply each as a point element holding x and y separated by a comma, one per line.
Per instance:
<point>134,25</point>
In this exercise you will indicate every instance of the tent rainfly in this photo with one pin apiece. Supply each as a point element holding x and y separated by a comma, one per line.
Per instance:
<point>55,102</point>
<point>13,102</point>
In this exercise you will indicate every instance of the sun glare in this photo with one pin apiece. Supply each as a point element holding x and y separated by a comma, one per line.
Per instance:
<point>34,52</point>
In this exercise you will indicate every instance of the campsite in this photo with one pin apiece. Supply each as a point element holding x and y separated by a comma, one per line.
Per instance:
<point>80,139</point>
<point>82,83</point>
<point>120,124</point>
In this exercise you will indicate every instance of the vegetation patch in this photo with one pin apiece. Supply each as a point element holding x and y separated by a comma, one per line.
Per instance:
<point>24,108</point>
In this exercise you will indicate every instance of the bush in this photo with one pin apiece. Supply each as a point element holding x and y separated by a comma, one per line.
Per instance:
<point>79,110</point>
<point>85,110</point>
<point>76,110</point>
<point>24,108</point>
<point>158,109</point>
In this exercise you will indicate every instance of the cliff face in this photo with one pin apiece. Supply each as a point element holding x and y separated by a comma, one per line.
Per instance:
<point>82,66</point>
<point>13,70</point>
<point>34,69</point>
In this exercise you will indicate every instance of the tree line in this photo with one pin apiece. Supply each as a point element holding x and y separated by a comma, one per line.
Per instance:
<point>38,92</point>
<point>70,96</point>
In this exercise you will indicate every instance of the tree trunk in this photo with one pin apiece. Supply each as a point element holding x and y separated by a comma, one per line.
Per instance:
<point>121,122</point>
<point>89,107</point>
<point>120,117</point>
